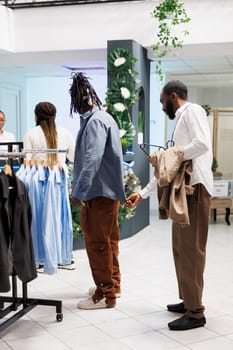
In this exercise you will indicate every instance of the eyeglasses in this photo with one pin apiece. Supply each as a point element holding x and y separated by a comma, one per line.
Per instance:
<point>169,143</point>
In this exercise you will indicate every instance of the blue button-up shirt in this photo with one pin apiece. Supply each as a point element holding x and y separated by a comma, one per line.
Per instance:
<point>98,160</point>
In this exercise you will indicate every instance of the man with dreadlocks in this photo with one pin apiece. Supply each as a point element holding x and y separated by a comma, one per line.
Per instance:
<point>98,187</point>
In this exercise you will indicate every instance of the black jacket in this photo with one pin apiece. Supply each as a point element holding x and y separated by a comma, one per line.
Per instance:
<point>16,249</point>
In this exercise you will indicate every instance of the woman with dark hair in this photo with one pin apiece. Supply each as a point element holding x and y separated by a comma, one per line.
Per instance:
<point>51,215</point>
<point>46,135</point>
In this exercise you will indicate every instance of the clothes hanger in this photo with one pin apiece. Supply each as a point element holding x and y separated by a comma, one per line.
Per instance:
<point>8,170</point>
<point>169,143</point>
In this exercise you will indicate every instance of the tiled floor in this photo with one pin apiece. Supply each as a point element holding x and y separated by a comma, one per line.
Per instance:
<point>139,321</point>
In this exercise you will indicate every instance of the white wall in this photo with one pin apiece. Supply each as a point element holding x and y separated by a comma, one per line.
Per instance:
<point>56,90</point>
<point>90,26</point>
<point>13,94</point>
<point>217,98</point>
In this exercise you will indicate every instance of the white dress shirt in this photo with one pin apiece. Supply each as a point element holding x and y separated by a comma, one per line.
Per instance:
<point>149,188</point>
<point>193,133</point>
<point>35,139</point>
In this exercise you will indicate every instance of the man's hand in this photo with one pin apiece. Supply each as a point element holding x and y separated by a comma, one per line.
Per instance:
<point>133,200</point>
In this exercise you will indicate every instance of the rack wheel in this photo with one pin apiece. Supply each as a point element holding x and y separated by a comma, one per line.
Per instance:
<point>59,317</point>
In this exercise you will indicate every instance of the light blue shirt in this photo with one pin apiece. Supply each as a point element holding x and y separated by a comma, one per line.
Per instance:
<point>67,228</point>
<point>98,170</point>
<point>51,228</point>
<point>36,194</point>
<point>52,224</point>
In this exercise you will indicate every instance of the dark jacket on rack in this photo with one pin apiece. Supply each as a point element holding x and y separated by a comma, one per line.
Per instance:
<point>16,249</point>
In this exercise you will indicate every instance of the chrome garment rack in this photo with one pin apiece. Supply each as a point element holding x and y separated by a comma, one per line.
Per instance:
<point>24,302</point>
<point>24,152</point>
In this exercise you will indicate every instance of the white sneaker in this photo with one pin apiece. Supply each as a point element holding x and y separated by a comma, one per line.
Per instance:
<point>71,266</point>
<point>92,290</point>
<point>88,304</point>
<point>40,268</point>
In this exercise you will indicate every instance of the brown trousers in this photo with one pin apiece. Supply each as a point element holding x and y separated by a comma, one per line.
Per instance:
<point>189,251</point>
<point>99,223</point>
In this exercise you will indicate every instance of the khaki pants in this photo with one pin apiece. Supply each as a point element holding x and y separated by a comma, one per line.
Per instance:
<point>99,223</point>
<point>189,251</point>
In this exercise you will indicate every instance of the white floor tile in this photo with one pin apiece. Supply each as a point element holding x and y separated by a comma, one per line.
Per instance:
<point>222,325</point>
<point>102,315</point>
<point>4,346</point>
<point>219,343</point>
<point>189,336</point>
<point>70,321</point>
<point>22,328</point>
<point>123,328</point>
<point>45,342</point>
<point>84,336</point>
<point>149,341</point>
<point>111,345</point>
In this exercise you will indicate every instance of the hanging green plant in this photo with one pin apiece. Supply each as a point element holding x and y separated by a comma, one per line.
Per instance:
<point>168,15</point>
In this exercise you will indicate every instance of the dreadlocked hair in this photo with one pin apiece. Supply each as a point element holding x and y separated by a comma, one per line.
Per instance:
<point>83,95</point>
<point>46,114</point>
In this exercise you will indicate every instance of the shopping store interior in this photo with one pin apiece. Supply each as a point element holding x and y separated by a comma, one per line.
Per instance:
<point>40,49</point>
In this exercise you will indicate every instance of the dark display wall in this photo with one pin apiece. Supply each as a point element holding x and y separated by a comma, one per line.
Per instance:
<point>141,167</point>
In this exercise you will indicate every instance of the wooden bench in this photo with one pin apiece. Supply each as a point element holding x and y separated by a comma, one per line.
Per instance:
<point>222,203</point>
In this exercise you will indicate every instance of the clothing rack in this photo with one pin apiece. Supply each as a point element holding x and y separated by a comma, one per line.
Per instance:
<point>24,301</point>
<point>23,152</point>
<point>49,150</point>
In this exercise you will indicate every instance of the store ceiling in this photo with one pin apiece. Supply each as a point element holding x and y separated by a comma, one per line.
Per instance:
<point>205,65</point>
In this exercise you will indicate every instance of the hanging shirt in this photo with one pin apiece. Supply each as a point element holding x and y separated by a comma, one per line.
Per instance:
<point>51,227</point>
<point>37,191</point>
<point>52,224</point>
<point>67,228</point>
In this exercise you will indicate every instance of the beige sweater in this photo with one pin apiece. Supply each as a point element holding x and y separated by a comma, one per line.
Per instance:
<point>174,184</point>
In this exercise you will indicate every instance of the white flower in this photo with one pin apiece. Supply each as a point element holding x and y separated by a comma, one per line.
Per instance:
<point>125,92</point>
<point>119,61</point>
<point>122,133</point>
<point>119,107</point>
